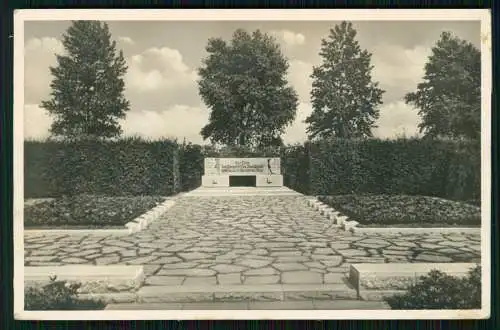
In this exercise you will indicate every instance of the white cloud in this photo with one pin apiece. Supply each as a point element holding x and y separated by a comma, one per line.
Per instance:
<point>397,119</point>
<point>181,121</point>
<point>39,55</point>
<point>178,121</point>
<point>398,70</point>
<point>289,38</point>
<point>45,44</point>
<point>36,122</point>
<point>126,40</point>
<point>158,77</point>
<point>296,133</point>
<point>299,76</point>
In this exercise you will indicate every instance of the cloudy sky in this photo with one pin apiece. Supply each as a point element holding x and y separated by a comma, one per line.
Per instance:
<point>163,58</point>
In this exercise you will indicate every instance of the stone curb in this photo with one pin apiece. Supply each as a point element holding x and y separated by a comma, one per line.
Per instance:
<point>241,292</point>
<point>330,213</point>
<point>100,280</point>
<point>377,281</point>
<point>142,221</point>
<point>131,227</point>
<point>80,232</point>
<point>257,305</point>
<point>430,230</point>
<point>352,225</point>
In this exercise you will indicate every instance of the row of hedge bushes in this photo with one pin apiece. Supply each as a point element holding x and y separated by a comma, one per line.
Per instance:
<point>443,168</point>
<point>124,167</point>
<point>447,169</point>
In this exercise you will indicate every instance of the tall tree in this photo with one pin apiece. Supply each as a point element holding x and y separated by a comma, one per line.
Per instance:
<point>343,96</point>
<point>87,87</point>
<point>449,98</point>
<point>244,84</point>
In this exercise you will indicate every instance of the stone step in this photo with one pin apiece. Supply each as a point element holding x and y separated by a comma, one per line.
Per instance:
<point>376,281</point>
<point>241,191</point>
<point>232,293</point>
<point>257,305</point>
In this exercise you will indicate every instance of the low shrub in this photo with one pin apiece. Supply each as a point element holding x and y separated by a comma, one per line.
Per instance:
<point>376,210</point>
<point>88,211</point>
<point>438,290</point>
<point>58,295</point>
<point>191,166</point>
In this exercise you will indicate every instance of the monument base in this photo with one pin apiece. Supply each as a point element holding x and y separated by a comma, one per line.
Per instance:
<point>215,181</point>
<point>223,180</point>
<point>272,180</point>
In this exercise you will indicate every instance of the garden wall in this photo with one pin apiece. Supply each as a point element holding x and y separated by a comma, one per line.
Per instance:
<point>124,167</point>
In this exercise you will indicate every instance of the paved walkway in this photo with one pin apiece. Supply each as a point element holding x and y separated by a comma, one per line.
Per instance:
<point>254,240</point>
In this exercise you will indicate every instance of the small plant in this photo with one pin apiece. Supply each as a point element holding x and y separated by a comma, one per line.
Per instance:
<point>438,290</point>
<point>58,295</point>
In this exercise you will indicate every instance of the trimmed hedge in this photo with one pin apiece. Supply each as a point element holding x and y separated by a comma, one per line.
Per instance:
<point>442,168</point>
<point>295,167</point>
<point>191,165</point>
<point>447,169</point>
<point>127,167</point>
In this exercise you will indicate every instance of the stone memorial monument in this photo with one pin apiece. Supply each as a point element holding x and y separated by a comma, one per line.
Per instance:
<point>257,172</point>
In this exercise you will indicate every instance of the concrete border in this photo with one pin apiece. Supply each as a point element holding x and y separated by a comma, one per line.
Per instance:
<point>144,220</point>
<point>136,225</point>
<point>409,230</point>
<point>79,232</point>
<point>352,225</point>
<point>242,292</point>
<point>241,191</point>
<point>93,279</point>
<point>376,281</point>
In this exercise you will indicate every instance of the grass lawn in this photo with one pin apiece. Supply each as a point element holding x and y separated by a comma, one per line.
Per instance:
<point>404,211</point>
<point>87,212</point>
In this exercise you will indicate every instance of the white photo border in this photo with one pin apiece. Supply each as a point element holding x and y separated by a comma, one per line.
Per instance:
<point>21,16</point>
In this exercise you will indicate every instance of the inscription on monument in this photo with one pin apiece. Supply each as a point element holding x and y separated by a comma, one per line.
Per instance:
<point>242,166</point>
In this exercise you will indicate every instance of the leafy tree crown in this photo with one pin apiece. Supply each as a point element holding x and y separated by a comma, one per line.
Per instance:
<point>87,88</point>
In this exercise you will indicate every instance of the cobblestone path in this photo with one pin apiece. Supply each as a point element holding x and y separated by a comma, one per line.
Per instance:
<point>247,240</point>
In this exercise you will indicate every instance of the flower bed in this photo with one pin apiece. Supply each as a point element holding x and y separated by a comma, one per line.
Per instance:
<point>404,211</point>
<point>87,212</point>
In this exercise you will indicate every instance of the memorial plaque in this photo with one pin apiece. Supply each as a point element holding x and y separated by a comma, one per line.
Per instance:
<point>212,166</point>
<point>242,166</point>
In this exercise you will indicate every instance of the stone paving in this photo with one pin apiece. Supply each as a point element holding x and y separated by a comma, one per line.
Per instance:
<point>256,305</point>
<point>251,240</point>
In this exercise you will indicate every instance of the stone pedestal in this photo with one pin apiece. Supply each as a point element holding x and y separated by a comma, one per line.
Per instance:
<point>215,181</point>
<point>223,181</point>
<point>269,180</point>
